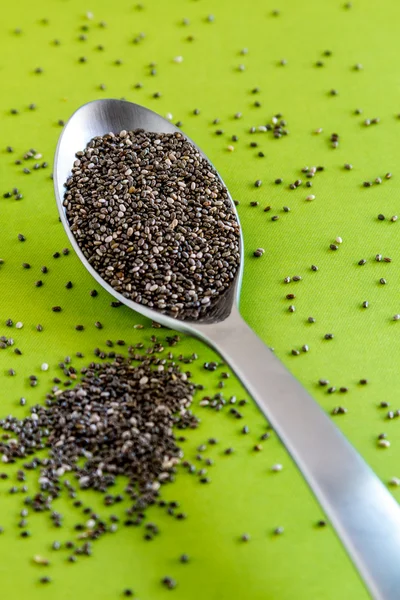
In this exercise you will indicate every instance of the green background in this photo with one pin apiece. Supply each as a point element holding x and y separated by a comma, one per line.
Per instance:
<point>244,495</point>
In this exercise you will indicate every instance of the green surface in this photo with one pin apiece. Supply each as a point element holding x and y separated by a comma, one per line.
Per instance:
<point>244,496</point>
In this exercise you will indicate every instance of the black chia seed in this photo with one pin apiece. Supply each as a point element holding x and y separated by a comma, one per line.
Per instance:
<point>154,220</point>
<point>118,420</point>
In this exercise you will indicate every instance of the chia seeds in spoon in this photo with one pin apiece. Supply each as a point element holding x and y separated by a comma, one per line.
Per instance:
<point>152,217</point>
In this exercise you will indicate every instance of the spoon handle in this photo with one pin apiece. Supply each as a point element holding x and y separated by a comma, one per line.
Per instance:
<point>363,512</point>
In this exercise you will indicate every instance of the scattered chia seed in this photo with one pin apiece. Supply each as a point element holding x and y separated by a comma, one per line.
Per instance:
<point>106,420</point>
<point>383,443</point>
<point>169,583</point>
<point>277,468</point>
<point>394,481</point>
<point>334,140</point>
<point>40,560</point>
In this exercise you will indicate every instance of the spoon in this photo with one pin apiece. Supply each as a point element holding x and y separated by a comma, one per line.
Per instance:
<point>364,514</point>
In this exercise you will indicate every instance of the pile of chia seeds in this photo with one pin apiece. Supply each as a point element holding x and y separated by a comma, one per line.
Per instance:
<point>118,420</point>
<point>154,220</point>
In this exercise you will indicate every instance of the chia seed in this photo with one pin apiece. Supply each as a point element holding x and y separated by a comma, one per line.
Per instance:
<point>119,419</point>
<point>178,250</point>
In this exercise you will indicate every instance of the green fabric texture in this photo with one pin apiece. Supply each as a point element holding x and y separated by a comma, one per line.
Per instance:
<point>244,495</point>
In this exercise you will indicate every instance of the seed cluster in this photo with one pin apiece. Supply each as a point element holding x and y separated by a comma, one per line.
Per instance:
<point>117,421</point>
<point>153,219</point>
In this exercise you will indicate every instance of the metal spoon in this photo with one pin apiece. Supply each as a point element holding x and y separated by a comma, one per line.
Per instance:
<point>363,512</point>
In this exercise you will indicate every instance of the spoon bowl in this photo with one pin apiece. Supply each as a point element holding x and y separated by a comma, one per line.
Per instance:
<point>364,514</point>
<point>95,119</point>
